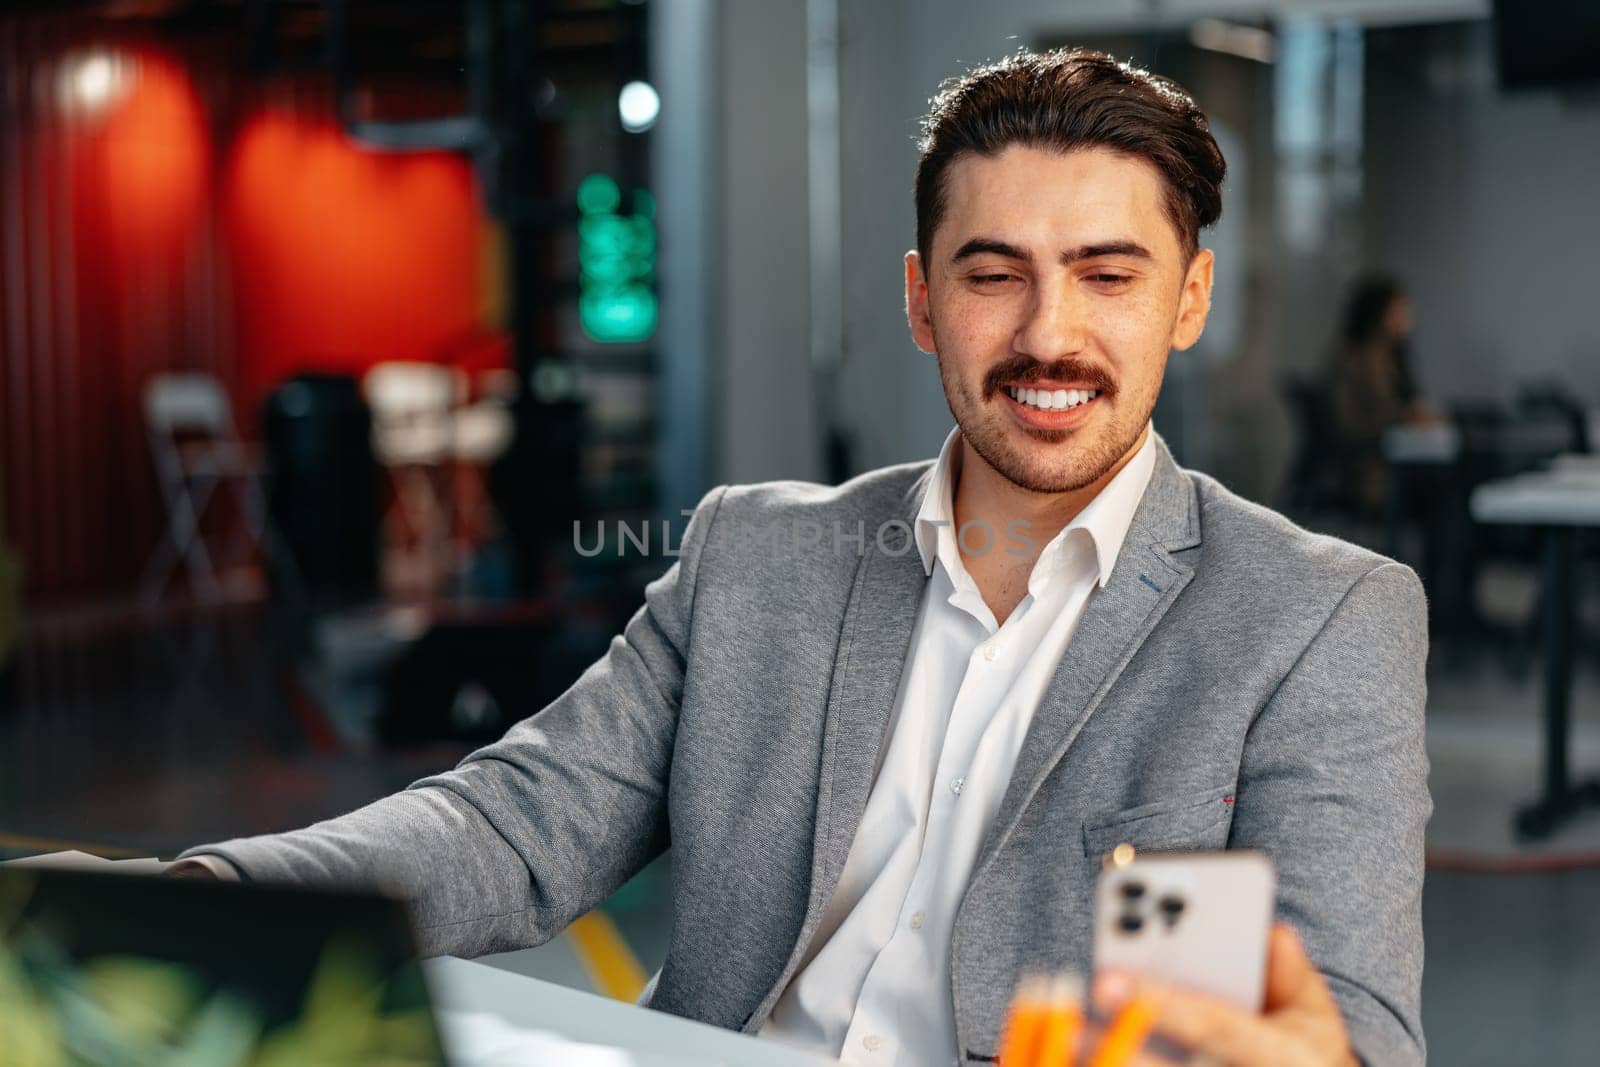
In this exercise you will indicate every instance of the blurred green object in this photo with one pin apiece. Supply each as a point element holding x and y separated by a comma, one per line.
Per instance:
<point>133,1012</point>
<point>141,999</point>
<point>616,260</point>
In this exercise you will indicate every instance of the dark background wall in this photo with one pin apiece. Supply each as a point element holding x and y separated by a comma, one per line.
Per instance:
<point>1485,202</point>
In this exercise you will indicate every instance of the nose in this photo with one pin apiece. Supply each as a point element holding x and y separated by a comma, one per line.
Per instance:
<point>1054,326</point>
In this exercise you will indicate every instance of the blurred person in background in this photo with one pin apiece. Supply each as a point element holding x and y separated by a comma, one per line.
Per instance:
<point>1372,388</point>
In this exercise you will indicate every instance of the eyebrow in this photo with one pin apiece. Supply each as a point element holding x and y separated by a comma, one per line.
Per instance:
<point>979,246</point>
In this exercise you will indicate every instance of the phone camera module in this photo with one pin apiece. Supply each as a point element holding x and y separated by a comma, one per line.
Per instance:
<point>1130,924</point>
<point>1132,890</point>
<point>1171,907</point>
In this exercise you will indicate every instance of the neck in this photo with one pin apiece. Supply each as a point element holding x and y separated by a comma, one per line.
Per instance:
<point>983,494</point>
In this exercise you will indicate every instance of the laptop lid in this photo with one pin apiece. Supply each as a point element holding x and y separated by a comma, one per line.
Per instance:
<point>110,968</point>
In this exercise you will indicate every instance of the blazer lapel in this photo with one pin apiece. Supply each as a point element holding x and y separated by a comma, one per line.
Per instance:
<point>873,644</point>
<point>1146,580</point>
<point>872,653</point>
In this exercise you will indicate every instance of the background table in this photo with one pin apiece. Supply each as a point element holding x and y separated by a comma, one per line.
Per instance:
<point>1559,502</point>
<point>1422,481</point>
<point>459,985</point>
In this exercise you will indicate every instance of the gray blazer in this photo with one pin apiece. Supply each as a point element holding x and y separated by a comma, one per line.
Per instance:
<point>1239,683</point>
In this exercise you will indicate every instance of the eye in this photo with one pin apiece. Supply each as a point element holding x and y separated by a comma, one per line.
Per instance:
<point>991,279</point>
<point>1110,278</point>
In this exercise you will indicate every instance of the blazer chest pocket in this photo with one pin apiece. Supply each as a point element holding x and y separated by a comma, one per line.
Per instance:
<point>1192,821</point>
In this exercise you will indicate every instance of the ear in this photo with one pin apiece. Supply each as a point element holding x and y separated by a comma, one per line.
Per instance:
<point>917,303</point>
<point>1194,303</point>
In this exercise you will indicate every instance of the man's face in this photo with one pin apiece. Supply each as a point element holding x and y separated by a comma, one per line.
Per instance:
<point>1058,273</point>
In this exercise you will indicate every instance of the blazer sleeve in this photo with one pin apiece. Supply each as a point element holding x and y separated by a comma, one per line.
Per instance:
<point>1333,786</point>
<point>528,833</point>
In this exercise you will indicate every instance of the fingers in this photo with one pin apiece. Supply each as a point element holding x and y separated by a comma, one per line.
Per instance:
<point>1192,1020</point>
<point>190,869</point>
<point>1125,1035</point>
<point>1300,1022</point>
<point>1107,1042</point>
<point>1293,981</point>
<point>1290,972</point>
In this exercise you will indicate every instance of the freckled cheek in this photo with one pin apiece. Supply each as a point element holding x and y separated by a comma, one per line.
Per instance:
<point>1132,337</point>
<point>965,329</point>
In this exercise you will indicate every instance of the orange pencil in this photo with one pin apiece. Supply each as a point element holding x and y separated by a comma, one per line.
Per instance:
<point>1125,1036</point>
<point>1063,1023</point>
<point>1019,1042</point>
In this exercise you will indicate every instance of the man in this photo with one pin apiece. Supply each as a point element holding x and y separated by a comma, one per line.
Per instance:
<point>889,729</point>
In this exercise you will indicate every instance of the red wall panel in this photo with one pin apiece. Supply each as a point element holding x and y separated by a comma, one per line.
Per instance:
<point>345,256</point>
<point>159,212</point>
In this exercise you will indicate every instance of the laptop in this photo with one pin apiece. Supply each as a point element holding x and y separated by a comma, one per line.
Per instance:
<point>112,969</point>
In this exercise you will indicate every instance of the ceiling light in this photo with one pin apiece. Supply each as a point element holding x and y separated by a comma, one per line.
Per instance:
<point>90,81</point>
<point>638,105</point>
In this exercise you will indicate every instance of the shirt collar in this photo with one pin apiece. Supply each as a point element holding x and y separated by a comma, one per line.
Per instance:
<point>1106,519</point>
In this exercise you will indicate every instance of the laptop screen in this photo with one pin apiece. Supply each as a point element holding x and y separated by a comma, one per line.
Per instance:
<point>102,968</point>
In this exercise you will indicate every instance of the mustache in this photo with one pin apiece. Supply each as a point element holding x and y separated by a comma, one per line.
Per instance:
<point>1021,370</point>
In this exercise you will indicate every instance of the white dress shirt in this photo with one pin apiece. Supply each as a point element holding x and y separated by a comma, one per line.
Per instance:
<point>875,986</point>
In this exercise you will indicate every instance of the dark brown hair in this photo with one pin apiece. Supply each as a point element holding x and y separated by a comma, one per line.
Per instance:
<point>1368,306</point>
<point>1069,99</point>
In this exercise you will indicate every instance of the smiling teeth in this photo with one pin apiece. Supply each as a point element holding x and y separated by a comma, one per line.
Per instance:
<point>1047,400</point>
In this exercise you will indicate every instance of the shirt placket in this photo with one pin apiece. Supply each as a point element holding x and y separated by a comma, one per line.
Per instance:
<point>920,926</point>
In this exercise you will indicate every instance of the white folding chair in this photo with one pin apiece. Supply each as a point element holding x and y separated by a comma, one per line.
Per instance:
<point>413,434</point>
<point>196,449</point>
<point>483,432</point>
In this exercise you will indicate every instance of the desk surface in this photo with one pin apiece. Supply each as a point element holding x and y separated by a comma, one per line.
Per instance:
<point>652,1037</point>
<point>1568,495</point>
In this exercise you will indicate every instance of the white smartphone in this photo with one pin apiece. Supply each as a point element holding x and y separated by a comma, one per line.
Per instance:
<point>1199,920</point>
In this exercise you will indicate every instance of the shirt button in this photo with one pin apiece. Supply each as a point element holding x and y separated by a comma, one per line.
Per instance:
<point>989,652</point>
<point>917,920</point>
<point>955,786</point>
<point>872,1042</point>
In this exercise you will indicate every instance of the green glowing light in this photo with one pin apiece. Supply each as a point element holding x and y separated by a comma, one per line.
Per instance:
<point>616,263</point>
<point>625,314</point>
<point>598,195</point>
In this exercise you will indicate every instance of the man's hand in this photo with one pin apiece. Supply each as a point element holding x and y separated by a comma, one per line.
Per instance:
<point>190,869</point>
<point>1299,1025</point>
